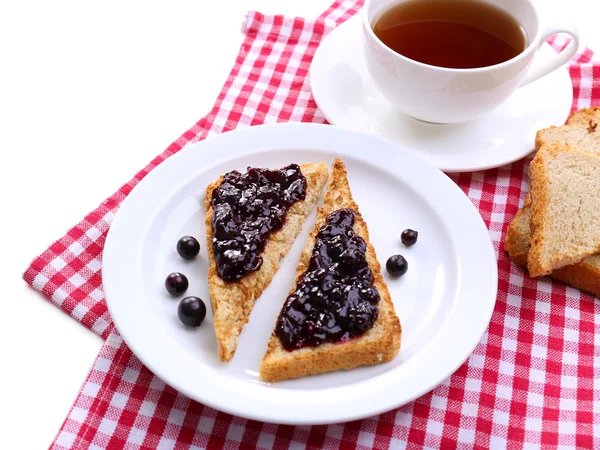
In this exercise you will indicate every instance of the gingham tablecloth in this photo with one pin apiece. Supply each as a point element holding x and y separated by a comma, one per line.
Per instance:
<point>533,381</point>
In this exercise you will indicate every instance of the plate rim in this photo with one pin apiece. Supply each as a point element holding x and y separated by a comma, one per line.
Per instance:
<point>318,97</point>
<point>264,134</point>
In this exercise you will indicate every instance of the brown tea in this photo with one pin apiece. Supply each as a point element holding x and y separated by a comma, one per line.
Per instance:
<point>460,34</point>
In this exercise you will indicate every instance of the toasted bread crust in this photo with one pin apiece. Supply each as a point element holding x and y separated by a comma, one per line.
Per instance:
<point>584,275</point>
<point>540,198</point>
<point>581,276</point>
<point>516,243</point>
<point>381,343</point>
<point>232,302</point>
<point>582,118</point>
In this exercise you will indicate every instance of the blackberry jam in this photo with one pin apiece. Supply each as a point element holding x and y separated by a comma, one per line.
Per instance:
<point>247,209</point>
<point>335,299</point>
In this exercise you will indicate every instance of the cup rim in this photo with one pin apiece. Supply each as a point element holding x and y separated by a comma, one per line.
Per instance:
<point>525,53</point>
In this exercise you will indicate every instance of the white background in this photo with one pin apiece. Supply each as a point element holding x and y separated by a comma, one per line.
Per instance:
<point>89,93</point>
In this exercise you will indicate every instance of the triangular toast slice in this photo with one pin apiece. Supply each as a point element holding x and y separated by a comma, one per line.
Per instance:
<point>232,301</point>
<point>378,344</point>
<point>565,208</point>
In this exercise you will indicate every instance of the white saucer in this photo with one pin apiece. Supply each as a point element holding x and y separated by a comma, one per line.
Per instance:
<point>348,98</point>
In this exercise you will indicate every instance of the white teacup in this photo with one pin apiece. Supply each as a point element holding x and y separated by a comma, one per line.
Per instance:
<point>443,95</point>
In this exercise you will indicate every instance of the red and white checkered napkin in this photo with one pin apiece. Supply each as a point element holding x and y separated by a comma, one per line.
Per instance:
<point>533,380</point>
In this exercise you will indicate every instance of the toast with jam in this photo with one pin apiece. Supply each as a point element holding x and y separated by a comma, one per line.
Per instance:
<point>339,314</point>
<point>252,220</point>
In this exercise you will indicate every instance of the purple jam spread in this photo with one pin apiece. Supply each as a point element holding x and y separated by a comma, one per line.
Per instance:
<point>247,209</point>
<point>335,299</point>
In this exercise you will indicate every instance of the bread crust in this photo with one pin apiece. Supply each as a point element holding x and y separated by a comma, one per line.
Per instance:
<point>381,343</point>
<point>517,243</point>
<point>232,302</point>
<point>539,202</point>
<point>584,275</point>
<point>581,276</point>
<point>583,116</point>
<point>581,119</point>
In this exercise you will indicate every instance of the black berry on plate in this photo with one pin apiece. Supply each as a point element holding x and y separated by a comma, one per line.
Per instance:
<point>188,247</point>
<point>396,265</point>
<point>176,284</point>
<point>409,237</point>
<point>191,311</point>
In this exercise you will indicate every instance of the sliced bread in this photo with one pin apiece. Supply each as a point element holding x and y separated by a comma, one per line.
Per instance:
<point>584,275</point>
<point>518,237</point>
<point>583,116</point>
<point>380,343</point>
<point>565,206</point>
<point>232,301</point>
<point>581,132</point>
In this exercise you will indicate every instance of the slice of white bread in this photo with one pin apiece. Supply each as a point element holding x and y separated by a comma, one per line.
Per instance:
<point>232,301</point>
<point>584,275</point>
<point>565,206</point>
<point>380,343</point>
<point>576,133</point>
<point>581,131</point>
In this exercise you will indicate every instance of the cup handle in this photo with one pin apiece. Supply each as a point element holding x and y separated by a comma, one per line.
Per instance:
<point>544,68</point>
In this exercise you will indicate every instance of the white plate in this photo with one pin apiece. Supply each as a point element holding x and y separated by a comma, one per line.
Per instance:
<point>444,302</point>
<point>346,95</point>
